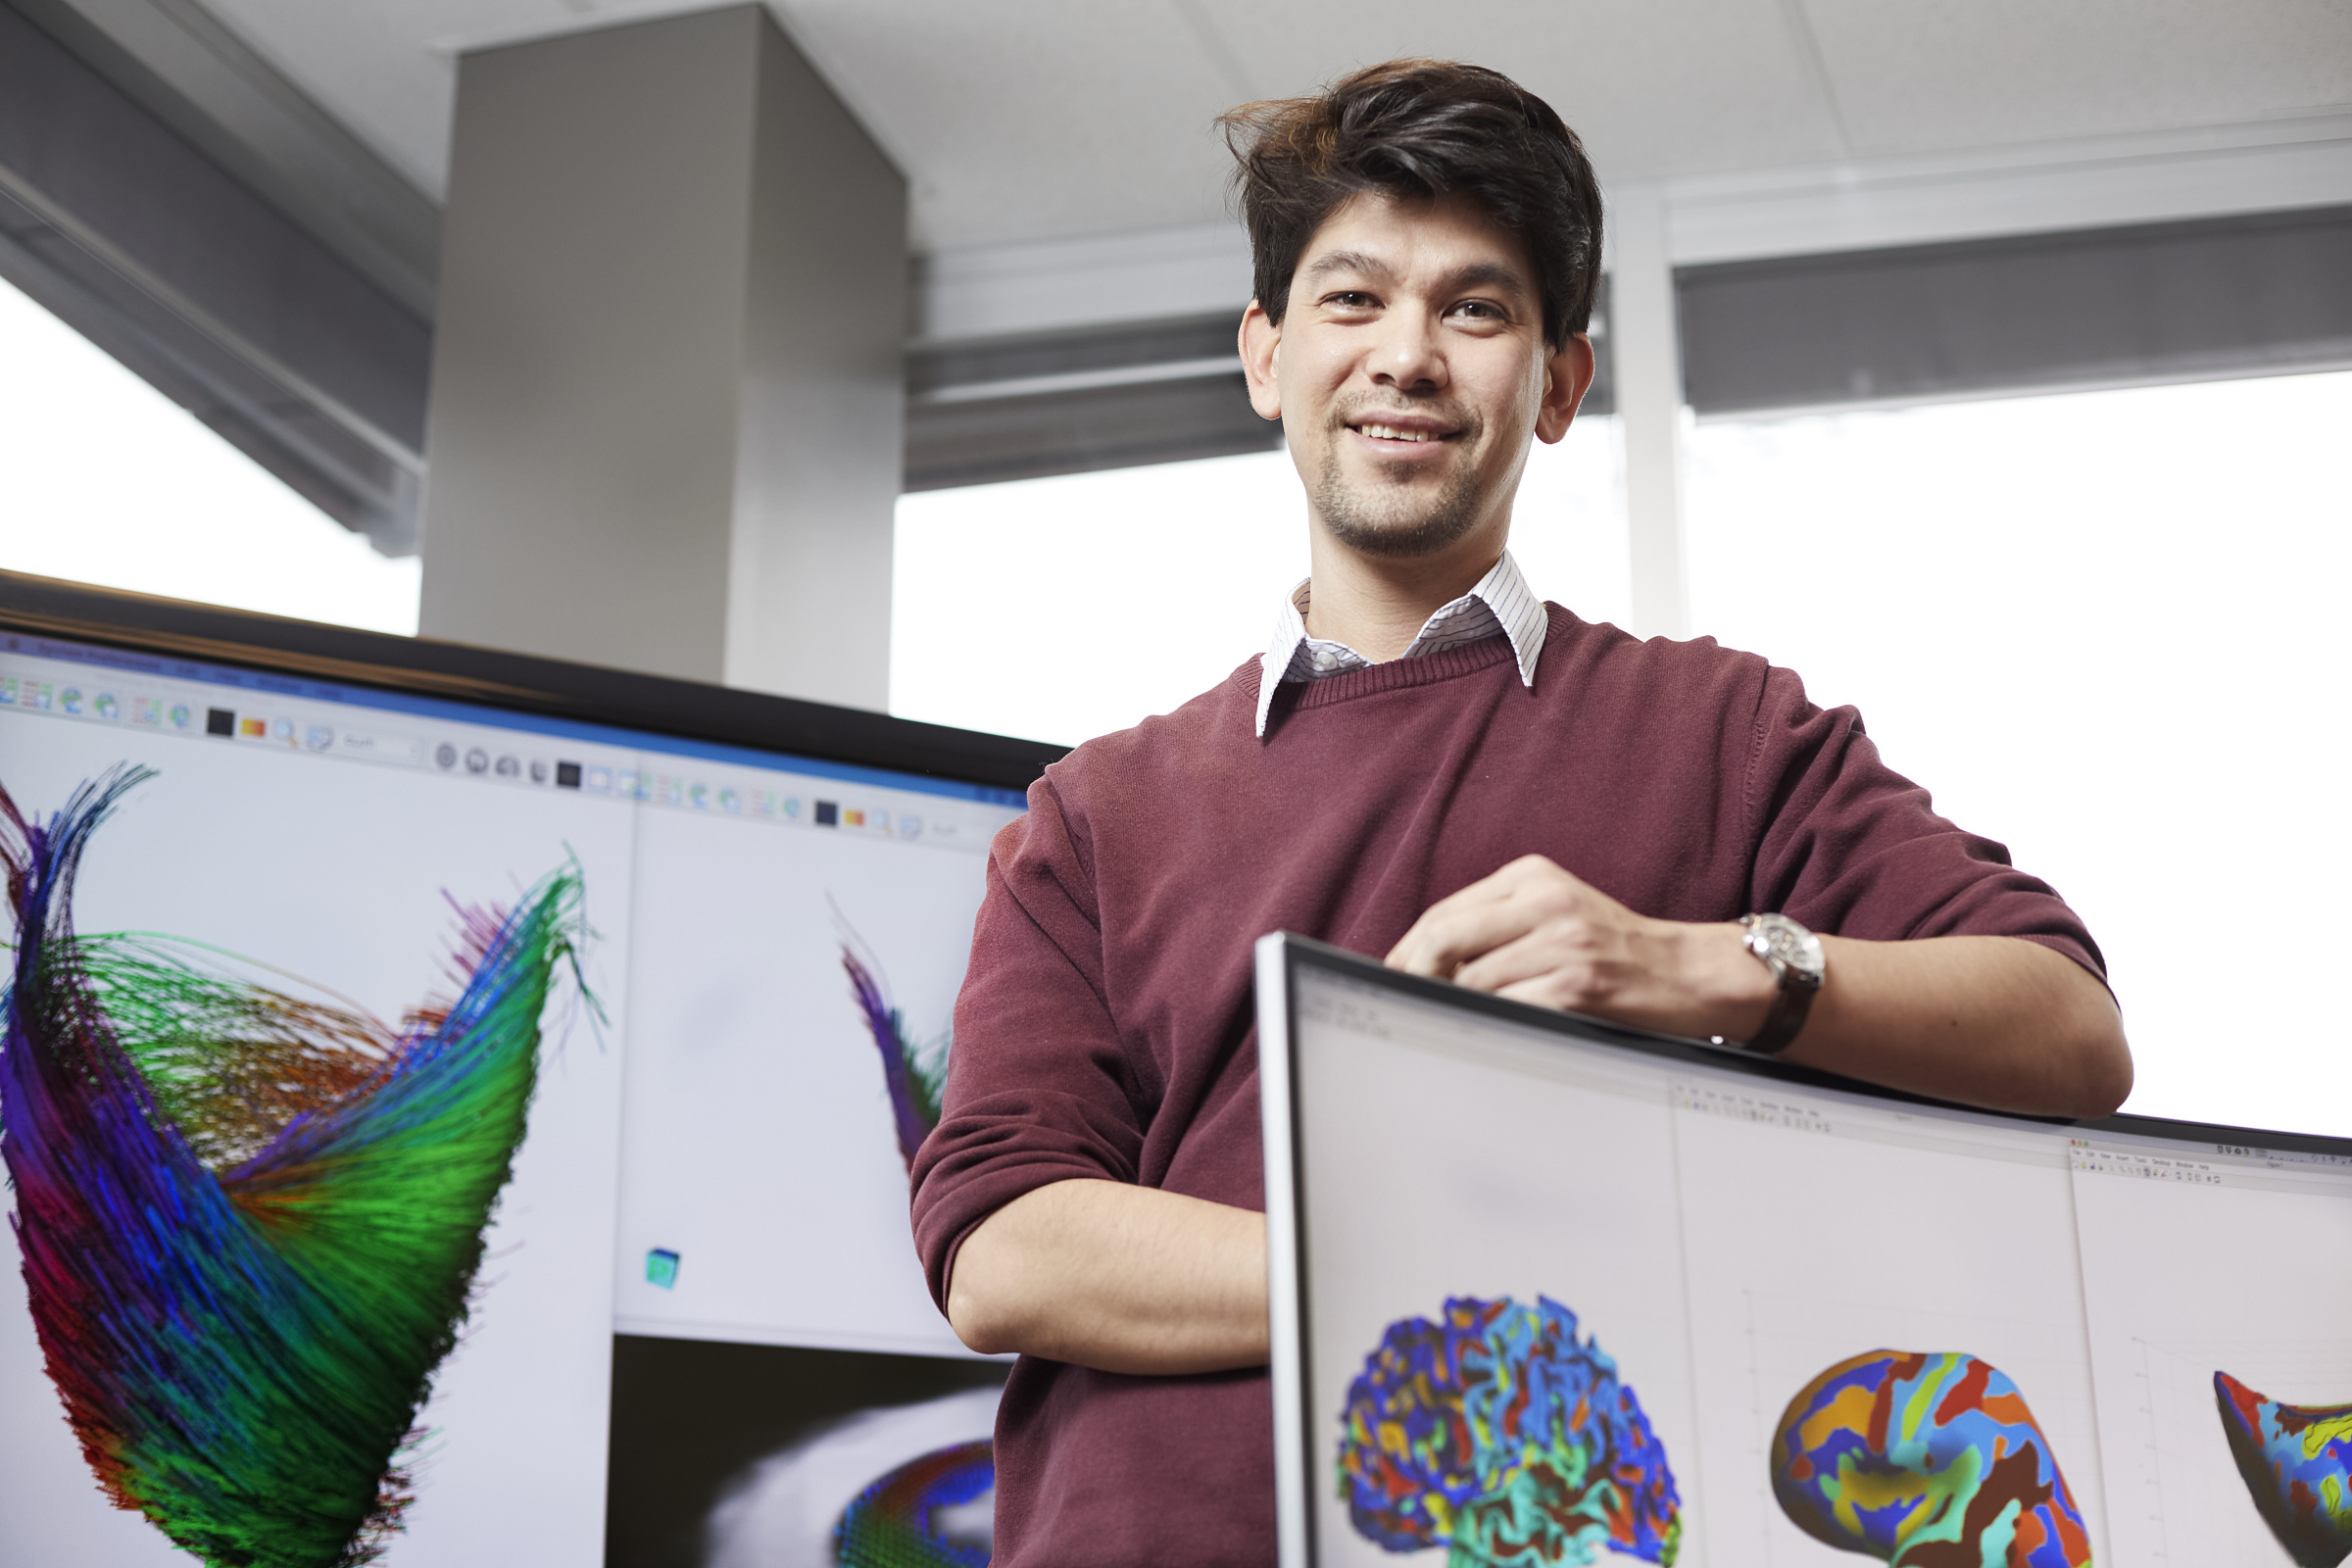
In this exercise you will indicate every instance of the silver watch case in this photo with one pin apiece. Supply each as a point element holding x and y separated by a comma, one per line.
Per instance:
<point>1791,953</point>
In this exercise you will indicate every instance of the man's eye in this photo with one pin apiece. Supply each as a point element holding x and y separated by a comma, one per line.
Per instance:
<point>1350,299</point>
<point>1481,309</point>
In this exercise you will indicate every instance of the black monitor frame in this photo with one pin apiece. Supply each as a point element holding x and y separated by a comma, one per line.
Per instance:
<point>487,678</point>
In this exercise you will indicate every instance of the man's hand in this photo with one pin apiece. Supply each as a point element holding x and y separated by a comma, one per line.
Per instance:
<point>1996,1021</point>
<point>1536,933</point>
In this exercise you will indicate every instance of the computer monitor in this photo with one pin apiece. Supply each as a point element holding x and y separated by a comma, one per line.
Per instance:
<point>1550,1290</point>
<point>775,911</point>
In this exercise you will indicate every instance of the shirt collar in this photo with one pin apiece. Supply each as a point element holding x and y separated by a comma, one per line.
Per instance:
<point>1499,602</point>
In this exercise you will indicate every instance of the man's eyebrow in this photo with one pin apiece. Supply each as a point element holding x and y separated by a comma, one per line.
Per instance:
<point>1346,262</point>
<point>1486,275</point>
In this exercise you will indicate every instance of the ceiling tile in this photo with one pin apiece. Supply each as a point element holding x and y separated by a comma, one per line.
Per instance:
<point>1654,87</point>
<point>1922,76</point>
<point>1026,120</point>
<point>1032,121</point>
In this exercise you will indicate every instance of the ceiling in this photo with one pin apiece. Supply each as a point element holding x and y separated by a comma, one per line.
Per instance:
<point>1033,119</point>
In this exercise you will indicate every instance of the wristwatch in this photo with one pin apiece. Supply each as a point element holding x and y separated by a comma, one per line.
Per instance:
<point>1793,956</point>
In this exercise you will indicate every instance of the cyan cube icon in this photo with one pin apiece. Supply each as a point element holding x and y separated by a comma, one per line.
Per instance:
<point>662,1268</point>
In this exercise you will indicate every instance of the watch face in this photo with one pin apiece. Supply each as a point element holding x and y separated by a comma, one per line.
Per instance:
<point>1792,945</point>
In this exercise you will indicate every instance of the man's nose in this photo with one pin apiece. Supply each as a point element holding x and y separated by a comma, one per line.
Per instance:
<point>1408,354</point>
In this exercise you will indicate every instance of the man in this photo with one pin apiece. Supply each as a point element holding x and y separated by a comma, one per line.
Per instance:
<point>1426,764</point>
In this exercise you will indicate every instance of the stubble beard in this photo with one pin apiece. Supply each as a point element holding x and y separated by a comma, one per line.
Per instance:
<point>1388,519</point>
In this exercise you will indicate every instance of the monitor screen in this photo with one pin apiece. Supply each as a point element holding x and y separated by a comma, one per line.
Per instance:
<point>1547,1290</point>
<point>768,946</point>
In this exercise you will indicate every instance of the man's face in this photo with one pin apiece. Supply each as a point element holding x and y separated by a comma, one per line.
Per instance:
<point>1409,371</point>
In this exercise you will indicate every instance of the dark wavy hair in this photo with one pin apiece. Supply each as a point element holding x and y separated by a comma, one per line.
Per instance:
<point>1417,130</point>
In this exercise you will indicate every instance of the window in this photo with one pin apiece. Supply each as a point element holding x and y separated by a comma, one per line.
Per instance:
<point>2106,631</point>
<point>110,482</point>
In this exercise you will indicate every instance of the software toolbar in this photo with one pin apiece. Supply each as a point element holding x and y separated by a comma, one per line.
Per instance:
<point>158,702</point>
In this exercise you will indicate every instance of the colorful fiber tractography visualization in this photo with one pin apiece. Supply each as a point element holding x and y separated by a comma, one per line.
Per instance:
<point>915,1074</point>
<point>2297,1462</point>
<point>1496,1432</point>
<point>903,1520</point>
<point>1924,1461</point>
<point>250,1222</point>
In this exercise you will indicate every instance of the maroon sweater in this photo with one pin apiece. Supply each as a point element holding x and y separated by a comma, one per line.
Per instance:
<point>1106,1028</point>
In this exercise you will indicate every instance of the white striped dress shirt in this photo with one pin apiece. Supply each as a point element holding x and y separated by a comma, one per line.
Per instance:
<point>1500,602</point>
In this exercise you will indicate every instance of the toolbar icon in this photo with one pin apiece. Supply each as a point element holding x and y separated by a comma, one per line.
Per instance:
<point>568,776</point>
<point>477,760</point>
<point>220,721</point>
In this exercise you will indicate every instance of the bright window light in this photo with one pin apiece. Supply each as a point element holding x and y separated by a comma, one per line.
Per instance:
<point>111,483</point>
<point>1067,608</point>
<point>2107,630</point>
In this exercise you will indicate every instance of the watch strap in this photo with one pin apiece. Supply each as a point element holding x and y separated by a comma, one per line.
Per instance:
<point>1788,1015</point>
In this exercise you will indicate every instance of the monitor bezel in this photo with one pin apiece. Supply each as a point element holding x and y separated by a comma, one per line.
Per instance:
<point>1280,960</point>
<point>494,679</point>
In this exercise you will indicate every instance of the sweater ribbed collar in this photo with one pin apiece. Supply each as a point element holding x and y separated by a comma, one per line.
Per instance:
<point>1499,603</point>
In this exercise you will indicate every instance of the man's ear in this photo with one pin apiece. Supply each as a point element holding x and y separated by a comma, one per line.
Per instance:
<point>1261,355</point>
<point>1566,376</point>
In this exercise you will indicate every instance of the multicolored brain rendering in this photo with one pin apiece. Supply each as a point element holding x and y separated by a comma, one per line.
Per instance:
<point>1494,1430</point>
<point>1925,1460</point>
<point>908,1518</point>
<point>2297,1460</point>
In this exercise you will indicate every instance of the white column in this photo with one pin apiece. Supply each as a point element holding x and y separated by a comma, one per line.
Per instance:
<point>1649,367</point>
<point>669,397</point>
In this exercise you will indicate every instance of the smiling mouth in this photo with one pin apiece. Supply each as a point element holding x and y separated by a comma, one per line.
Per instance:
<point>1396,432</point>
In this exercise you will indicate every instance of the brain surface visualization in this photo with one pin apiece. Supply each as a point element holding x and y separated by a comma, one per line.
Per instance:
<point>1924,1461</point>
<point>2296,1460</point>
<point>1495,1432</point>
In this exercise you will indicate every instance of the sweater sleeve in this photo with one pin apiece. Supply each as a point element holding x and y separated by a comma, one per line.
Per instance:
<point>1039,1088</point>
<point>1848,846</point>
